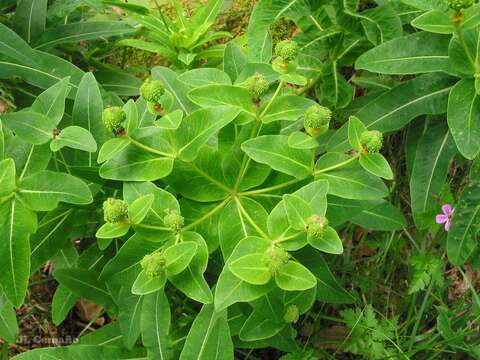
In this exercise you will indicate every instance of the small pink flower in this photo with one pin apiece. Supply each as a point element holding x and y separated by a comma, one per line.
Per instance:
<point>446,217</point>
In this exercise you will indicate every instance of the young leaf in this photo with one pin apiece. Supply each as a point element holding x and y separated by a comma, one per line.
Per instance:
<point>145,284</point>
<point>33,127</point>
<point>251,269</point>
<point>178,256</point>
<point>112,231</point>
<point>298,211</point>
<point>329,242</point>
<point>74,137</point>
<point>293,276</point>
<point>51,102</point>
<point>355,130</point>
<point>376,164</point>
<point>138,209</point>
<point>234,60</point>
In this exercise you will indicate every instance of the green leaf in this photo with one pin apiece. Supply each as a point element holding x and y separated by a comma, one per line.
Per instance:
<point>204,76</point>
<point>81,31</point>
<point>352,182</point>
<point>51,102</point>
<point>16,225</point>
<point>376,164</point>
<point>293,276</point>
<point>74,137</point>
<point>120,83</point>
<point>433,155</point>
<point>251,269</point>
<point>33,127</point>
<point>8,320</point>
<point>138,209</point>
<point>63,301</point>
<point>134,164</point>
<point>145,284</point>
<point>85,283</point>
<point>230,289</point>
<point>434,21</point>
<point>274,151</point>
<point>197,128</point>
<point>44,190</point>
<point>112,147</point>
<point>155,324</point>
<point>462,237</point>
<point>191,281</point>
<point>178,256</point>
<point>112,231</point>
<point>381,217</point>
<point>465,63</point>
<point>234,60</point>
<point>264,15</point>
<point>87,113</point>
<point>328,288</point>
<point>300,140</point>
<point>30,18</point>
<point>462,115</point>
<point>355,130</point>
<point>258,327</point>
<point>209,337</point>
<point>424,95</point>
<point>297,210</point>
<point>7,177</point>
<point>329,242</point>
<point>412,54</point>
<point>129,312</point>
<point>288,107</point>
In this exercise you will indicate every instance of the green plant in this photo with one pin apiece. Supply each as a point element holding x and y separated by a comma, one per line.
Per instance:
<point>185,41</point>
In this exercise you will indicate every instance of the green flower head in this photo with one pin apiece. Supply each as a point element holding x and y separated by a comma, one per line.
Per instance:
<point>317,119</point>
<point>275,257</point>
<point>152,90</point>
<point>287,50</point>
<point>113,118</point>
<point>458,5</point>
<point>256,84</point>
<point>316,226</point>
<point>371,141</point>
<point>173,220</point>
<point>153,264</point>
<point>291,314</point>
<point>115,210</point>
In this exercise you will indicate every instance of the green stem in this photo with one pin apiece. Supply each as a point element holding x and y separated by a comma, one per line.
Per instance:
<point>271,188</point>
<point>150,149</point>
<point>336,166</point>
<point>206,216</point>
<point>269,104</point>
<point>250,220</point>
<point>420,316</point>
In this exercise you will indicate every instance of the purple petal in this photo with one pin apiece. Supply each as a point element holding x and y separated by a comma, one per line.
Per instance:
<point>447,225</point>
<point>441,219</point>
<point>447,209</point>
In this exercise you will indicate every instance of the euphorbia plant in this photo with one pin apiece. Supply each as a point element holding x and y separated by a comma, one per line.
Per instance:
<point>211,165</point>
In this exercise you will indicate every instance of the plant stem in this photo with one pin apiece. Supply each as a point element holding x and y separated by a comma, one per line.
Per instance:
<point>206,216</point>
<point>336,166</point>
<point>420,315</point>
<point>150,149</point>
<point>271,188</point>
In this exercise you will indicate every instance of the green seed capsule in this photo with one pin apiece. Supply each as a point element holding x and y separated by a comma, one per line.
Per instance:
<point>458,5</point>
<point>115,210</point>
<point>113,118</point>
<point>256,84</point>
<point>153,265</point>
<point>287,50</point>
<point>275,257</point>
<point>317,119</point>
<point>152,90</point>
<point>291,314</point>
<point>173,220</point>
<point>316,226</point>
<point>371,141</point>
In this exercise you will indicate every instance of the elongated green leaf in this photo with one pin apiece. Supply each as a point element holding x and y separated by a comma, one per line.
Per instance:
<point>51,102</point>
<point>381,217</point>
<point>464,52</point>
<point>274,151</point>
<point>30,18</point>
<point>289,107</point>
<point>392,110</point>
<point>251,269</point>
<point>329,242</point>
<point>155,324</point>
<point>7,177</point>
<point>145,284</point>
<point>462,237</point>
<point>377,165</point>
<point>433,155</point>
<point>82,352</point>
<point>258,327</point>
<point>209,337</point>
<point>44,190</point>
<point>16,225</point>
<point>63,301</point>
<point>32,127</point>
<point>129,307</point>
<point>87,113</point>
<point>81,31</point>
<point>205,76</point>
<point>462,115</point>
<point>234,60</point>
<point>178,256</point>
<point>434,21</point>
<point>8,320</point>
<point>297,210</point>
<point>85,283</point>
<point>412,54</point>
<point>138,209</point>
